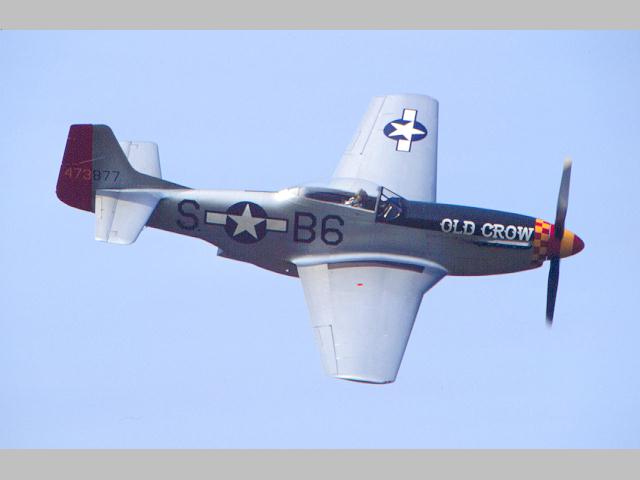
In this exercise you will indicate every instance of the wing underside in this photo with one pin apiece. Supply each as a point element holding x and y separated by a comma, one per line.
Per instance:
<point>395,146</point>
<point>362,314</point>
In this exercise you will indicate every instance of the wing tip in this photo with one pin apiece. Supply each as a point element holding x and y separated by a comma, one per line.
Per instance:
<point>361,379</point>
<point>405,95</point>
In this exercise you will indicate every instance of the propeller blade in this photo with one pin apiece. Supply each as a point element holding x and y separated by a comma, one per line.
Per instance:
<point>563,199</point>
<point>552,288</point>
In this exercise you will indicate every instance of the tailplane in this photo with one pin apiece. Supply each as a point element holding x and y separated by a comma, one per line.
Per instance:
<point>93,160</point>
<point>122,188</point>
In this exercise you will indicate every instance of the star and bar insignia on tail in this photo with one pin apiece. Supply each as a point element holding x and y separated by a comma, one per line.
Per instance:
<point>246,222</point>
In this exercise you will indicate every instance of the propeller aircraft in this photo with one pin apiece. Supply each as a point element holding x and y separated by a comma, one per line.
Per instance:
<point>365,254</point>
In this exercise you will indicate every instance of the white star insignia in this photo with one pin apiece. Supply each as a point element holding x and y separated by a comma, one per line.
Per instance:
<point>246,222</point>
<point>407,130</point>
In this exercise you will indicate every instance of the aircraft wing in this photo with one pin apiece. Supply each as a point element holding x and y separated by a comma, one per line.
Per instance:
<point>362,313</point>
<point>396,146</point>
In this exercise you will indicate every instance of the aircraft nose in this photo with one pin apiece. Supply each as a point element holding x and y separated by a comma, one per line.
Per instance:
<point>570,244</point>
<point>578,245</point>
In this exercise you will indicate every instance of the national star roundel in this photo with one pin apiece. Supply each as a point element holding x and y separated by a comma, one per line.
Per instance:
<point>246,222</point>
<point>405,130</point>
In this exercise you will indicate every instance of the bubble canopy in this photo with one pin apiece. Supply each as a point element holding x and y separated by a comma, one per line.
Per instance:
<point>351,192</point>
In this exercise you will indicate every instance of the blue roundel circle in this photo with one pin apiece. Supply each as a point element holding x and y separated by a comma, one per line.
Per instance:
<point>394,130</point>
<point>246,222</point>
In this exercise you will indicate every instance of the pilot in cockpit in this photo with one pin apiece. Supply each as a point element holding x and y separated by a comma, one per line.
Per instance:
<point>358,199</point>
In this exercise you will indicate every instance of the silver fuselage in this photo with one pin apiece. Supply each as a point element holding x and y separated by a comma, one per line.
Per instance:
<point>306,228</point>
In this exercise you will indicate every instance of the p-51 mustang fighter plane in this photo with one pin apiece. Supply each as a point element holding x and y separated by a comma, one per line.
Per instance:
<point>365,254</point>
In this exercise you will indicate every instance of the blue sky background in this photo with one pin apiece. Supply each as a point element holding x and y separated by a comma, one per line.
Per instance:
<point>162,344</point>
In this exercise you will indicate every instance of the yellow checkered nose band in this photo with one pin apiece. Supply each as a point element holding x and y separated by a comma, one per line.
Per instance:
<point>546,245</point>
<point>541,237</point>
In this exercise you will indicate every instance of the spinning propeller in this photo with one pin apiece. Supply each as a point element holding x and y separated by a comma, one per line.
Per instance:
<point>563,242</point>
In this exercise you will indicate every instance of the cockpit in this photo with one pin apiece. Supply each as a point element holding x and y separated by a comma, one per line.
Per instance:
<point>387,205</point>
<point>391,206</point>
<point>359,199</point>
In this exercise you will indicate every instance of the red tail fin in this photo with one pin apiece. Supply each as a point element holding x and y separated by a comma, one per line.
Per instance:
<point>94,160</point>
<point>75,181</point>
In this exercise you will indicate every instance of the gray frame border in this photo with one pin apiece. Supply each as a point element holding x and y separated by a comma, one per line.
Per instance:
<point>326,14</point>
<point>319,464</point>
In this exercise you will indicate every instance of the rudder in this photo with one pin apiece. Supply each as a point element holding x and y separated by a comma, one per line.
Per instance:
<point>75,180</point>
<point>93,159</point>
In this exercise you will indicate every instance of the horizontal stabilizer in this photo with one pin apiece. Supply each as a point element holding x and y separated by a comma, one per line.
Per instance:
<point>121,215</point>
<point>94,160</point>
<point>120,181</point>
<point>143,156</point>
